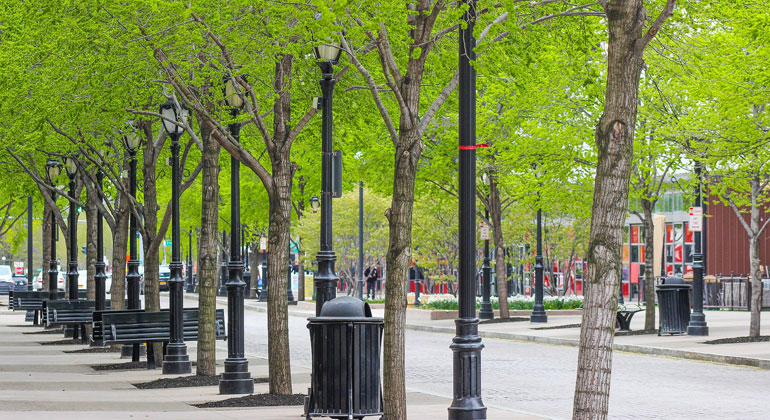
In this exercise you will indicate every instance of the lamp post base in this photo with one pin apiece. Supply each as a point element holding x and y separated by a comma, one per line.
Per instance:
<point>485,312</point>
<point>176,361</point>
<point>466,363</point>
<point>236,378</point>
<point>538,314</point>
<point>697,325</point>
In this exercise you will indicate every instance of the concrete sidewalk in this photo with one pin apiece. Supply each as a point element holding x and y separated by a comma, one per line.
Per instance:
<point>722,324</point>
<point>39,381</point>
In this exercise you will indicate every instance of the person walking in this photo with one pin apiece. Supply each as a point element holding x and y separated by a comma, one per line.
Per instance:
<point>371,281</point>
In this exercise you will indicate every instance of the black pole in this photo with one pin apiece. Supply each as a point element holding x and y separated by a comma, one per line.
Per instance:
<point>361,240</point>
<point>486,311</point>
<point>466,345</point>
<point>132,276</point>
<point>30,274</point>
<point>289,291</point>
<point>176,360</point>
<point>189,286</point>
<point>326,278</point>
<point>72,266</point>
<point>263,291</point>
<point>538,311</point>
<point>697,325</point>
<point>100,277</point>
<point>223,275</point>
<point>236,378</point>
<point>53,266</point>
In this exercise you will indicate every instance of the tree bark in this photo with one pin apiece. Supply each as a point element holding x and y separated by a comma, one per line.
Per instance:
<point>649,269</point>
<point>119,247</point>
<point>149,237</point>
<point>614,140</point>
<point>46,225</point>
<point>398,258</point>
<point>92,214</point>
<point>756,269</point>
<point>207,257</point>
<point>277,275</point>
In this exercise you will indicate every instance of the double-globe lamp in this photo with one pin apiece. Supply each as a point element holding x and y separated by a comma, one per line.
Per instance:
<point>70,165</point>
<point>52,171</point>
<point>133,278</point>
<point>176,361</point>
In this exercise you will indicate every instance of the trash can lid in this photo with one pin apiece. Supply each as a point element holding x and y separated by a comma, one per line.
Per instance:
<point>673,280</point>
<point>346,307</point>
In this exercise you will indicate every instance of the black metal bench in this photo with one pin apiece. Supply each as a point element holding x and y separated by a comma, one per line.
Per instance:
<point>77,313</point>
<point>138,326</point>
<point>624,316</point>
<point>30,301</point>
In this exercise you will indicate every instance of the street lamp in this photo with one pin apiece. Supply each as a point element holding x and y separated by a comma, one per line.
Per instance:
<point>100,277</point>
<point>361,243</point>
<point>70,165</point>
<point>176,360</point>
<point>189,285</point>
<point>327,55</point>
<point>538,311</point>
<point>52,171</point>
<point>236,378</point>
<point>466,345</point>
<point>131,142</point>
<point>697,325</point>
<point>223,274</point>
<point>486,312</point>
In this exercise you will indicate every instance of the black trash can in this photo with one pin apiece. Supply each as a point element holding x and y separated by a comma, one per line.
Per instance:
<point>345,343</point>
<point>673,305</point>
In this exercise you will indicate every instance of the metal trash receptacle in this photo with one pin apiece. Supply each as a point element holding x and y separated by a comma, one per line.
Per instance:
<point>345,343</point>
<point>673,305</point>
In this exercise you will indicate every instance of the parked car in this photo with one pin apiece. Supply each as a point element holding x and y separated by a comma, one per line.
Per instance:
<point>19,282</point>
<point>44,273</point>
<point>5,287</point>
<point>6,274</point>
<point>164,275</point>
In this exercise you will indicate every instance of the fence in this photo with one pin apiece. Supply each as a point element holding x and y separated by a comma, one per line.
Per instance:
<point>732,292</point>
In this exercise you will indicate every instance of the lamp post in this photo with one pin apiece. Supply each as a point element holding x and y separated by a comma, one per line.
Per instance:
<point>538,311</point>
<point>30,260</point>
<point>697,325</point>
<point>52,170</point>
<point>189,285</point>
<point>361,241</point>
<point>486,312</point>
<point>263,291</point>
<point>131,142</point>
<point>327,55</point>
<point>71,167</point>
<point>236,378</point>
<point>223,274</point>
<point>100,277</point>
<point>176,360</point>
<point>466,345</point>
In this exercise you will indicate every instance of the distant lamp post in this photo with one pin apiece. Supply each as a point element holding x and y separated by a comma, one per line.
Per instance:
<point>52,171</point>
<point>327,55</point>
<point>486,312</point>
<point>176,360</point>
<point>236,378</point>
<point>189,284</point>
<point>314,204</point>
<point>538,311</point>
<point>72,267</point>
<point>697,325</point>
<point>100,277</point>
<point>131,142</point>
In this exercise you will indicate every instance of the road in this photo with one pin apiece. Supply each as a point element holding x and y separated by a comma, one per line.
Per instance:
<point>539,379</point>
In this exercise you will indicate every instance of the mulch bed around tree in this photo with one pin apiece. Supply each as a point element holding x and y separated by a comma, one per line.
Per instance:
<point>635,332</point>
<point>187,381</point>
<point>735,340</point>
<point>53,331</point>
<point>68,341</point>
<point>95,350</point>
<point>256,400</point>
<point>502,320</point>
<point>557,327</point>
<point>125,366</point>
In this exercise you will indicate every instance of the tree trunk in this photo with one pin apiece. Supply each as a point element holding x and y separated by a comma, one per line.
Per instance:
<point>756,285</point>
<point>92,215</point>
<point>398,258</point>
<point>119,247</point>
<point>207,258</point>
<point>614,140</point>
<point>46,264</point>
<point>649,269</point>
<point>149,235</point>
<point>495,213</point>
<point>277,275</point>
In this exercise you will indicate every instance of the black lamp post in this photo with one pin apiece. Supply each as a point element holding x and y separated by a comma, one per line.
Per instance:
<point>189,285</point>
<point>697,325</point>
<point>100,277</point>
<point>263,291</point>
<point>466,345</point>
<point>538,311</point>
<point>361,242</point>
<point>30,261</point>
<point>223,274</point>
<point>72,267</point>
<point>52,170</point>
<point>176,360</point>
<point>131,142</point>
<point>486,311</point>
<point>327,55</point>
<point>236,378</point>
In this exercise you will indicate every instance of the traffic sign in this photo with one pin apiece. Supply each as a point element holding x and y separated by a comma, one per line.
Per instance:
<point>19,270</point>
<point>696,219</point>
<point>484,230</point>
<point>168,243</point>
<point>263,244</point>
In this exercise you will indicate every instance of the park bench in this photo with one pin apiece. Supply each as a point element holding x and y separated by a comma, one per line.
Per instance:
<point>32,302</point>
<point>624,316</point>
<point>138,326</point>
<point>77,313</point>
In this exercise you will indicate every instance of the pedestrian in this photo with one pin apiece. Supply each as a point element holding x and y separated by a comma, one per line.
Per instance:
<point>371,280</point>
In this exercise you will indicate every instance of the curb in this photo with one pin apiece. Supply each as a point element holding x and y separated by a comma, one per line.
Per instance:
<point>630,348</point>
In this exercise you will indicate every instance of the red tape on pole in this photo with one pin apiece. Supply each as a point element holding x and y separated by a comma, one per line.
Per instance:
<point>474,147</point>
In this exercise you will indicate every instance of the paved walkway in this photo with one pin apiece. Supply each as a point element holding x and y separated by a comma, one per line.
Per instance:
<point>43,381</point>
